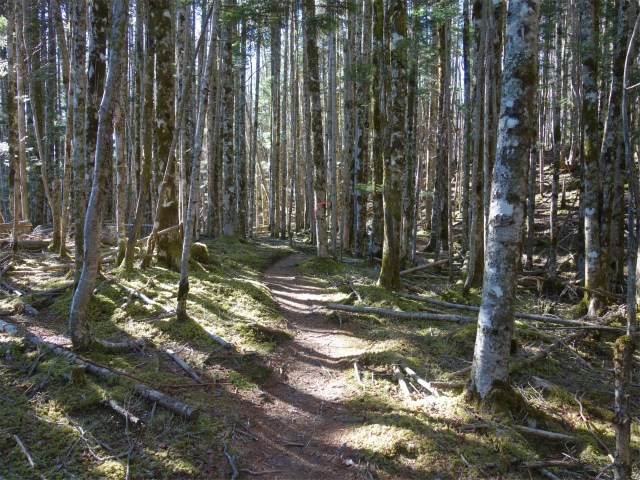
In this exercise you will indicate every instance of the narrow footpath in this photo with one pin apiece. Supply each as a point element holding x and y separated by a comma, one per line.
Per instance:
<point>302,418</point>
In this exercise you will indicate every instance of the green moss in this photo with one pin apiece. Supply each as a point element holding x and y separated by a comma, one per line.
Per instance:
<point>322,266</point>
<point>200,252</point>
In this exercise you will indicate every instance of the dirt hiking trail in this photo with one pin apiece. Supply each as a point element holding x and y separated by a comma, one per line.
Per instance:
<point>301,418</point>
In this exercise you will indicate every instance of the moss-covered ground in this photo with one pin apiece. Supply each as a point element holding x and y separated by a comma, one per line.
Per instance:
<point>70,432</point>
<point>64,422</point>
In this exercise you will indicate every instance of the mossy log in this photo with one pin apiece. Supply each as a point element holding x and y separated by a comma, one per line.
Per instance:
<point>525,316</point>
<point>150,394</point>
<point>397,314</point>
<point>426,265</point>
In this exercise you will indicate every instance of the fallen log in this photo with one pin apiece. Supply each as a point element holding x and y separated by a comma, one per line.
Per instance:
<point>545,352</point>
<point>394,313</point>
<point>23,226</point>
<point>545,434</point>
<point>401,381</point>
<point>524,316</point>
<point>447,385</point>
<point>163,400</point>
<point>13,289</point>
<point>184,365</point>
<point>426,265</point>
<point>33,244</point>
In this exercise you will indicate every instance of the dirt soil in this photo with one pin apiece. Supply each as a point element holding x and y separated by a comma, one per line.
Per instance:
<point>300,422</point>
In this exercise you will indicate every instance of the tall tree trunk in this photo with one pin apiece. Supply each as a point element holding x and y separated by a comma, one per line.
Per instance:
<point>468,137</point>
<point>241,156</point>
<point>254,140</point>
<point>320,177</point>
<point>609,152</point>
<point>99,16</point>
<point>78,320</point>
<point>379,146</point>
<point>230,194</point>
<point>79,107</point>
<point>169,246</point>
<point>490,372</point>
<point>394,164</point>
<point>28,44</point>
<point>68,144</point>
<point>476,238</point>
<point>307,139</point>
<point>283,139</point>
<point>591,194</point>
<point>274,161</point>
<point>194,187</point>
<point>147,115</point>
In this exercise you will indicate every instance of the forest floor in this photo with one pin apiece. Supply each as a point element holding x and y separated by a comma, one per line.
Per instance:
<point>286,402</point>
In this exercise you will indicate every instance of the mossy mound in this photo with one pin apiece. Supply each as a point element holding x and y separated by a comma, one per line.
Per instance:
<point>200,253</point>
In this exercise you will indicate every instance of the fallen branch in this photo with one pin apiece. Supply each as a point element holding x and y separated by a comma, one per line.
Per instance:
<point>401,381</point>
<point>54,290</point>
<point>24,450</point>
<point>548,463</point>
<point>558,339</point>
<point>13,289</point>
<point>447,385</point>
<point>184,365</point>
<point>462,371</point>
<point>524,316</point>
<point>600,442</point>
<point>163,400</point>
<point>6,267</point>
<point>545,352</point>
<point>144,298</point>
<point>426,265</point>
<point>123,411</point>
<point>357,373</point>
<point>545,434</point>
<point>394,313</point>
<point>233,465</point>
<point>220,340</point>
<point>255,474</point>
<point>421,380</point>
<point>358,294</point>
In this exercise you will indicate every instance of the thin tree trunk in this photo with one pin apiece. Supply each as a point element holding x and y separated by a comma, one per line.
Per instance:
<point>320,177</point>
<point>183,286</point>
<point>241,156</point>
<point>78,320</point>
<point>476,239</point>
<point>99,15</point>
<point>147,116</point>
<point>283,139</point>
<point>254,140</point>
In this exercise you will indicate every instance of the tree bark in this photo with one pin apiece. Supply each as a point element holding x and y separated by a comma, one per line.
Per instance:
<point>320,177</point>
<point>394,164</point>
<point>230,209</point>
<point>78,320</point>
<point>183,286</point>
<point>490,370</point>
<point>591,194</point>
<point>96,71</point>
<point>169,246</point>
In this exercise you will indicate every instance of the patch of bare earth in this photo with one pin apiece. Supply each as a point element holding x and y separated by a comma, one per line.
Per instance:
<point>301,419</point>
